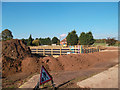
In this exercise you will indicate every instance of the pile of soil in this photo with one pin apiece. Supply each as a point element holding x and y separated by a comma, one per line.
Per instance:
<point>53,63</point>
<point>15,49</point>
<point>78,61</point>
<point>17,57</point>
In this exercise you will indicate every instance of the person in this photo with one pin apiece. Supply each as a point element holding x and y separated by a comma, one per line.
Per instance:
<point>45,76</point>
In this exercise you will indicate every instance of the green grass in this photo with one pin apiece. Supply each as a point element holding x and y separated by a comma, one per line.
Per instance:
<point>104,44</point>
<point>100,44</point>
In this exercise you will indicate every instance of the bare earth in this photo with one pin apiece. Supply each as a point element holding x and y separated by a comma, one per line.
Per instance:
<point>68,78</point>
<point>19,65</point>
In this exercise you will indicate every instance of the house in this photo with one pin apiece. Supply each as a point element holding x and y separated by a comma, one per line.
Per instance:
<point>63,42</point>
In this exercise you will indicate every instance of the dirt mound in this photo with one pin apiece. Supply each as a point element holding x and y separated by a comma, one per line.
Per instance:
<point>54,64</point>
<point>81,61</point>
<point>76,62</point>
<point>32,64</point>
<point>15,49</point>
<point>17,57</point>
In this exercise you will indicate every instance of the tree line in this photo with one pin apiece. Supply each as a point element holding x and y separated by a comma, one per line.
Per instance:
<point>41,41</point>
<point>72,39</point>
<point>83,39</point>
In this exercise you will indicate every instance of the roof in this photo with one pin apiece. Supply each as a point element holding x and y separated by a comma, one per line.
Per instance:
<point>64,40</point>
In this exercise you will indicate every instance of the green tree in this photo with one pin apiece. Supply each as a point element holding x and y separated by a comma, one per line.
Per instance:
<point>48,41</point>
<point>7,35</point>
<point>24,41</point>
<point>90,39</point>
<point>86,38</point>
<point>72,38</point>
<point>29,42</point>
<point>36,39</point>
<point>55,40</point>
<point>36,42</point>
<point>45,41</point>
<point>111,41</point>
<point>82,38</point>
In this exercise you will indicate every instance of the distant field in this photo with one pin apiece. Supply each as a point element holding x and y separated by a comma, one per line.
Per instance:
<point>104,44</point>
<point>100,44</point>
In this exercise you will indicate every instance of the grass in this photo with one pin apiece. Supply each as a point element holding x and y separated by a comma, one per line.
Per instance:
<point>104,44</point>
<point>100,44</point>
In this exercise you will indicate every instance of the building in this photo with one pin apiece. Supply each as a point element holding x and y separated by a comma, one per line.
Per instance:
<point>63,42</point>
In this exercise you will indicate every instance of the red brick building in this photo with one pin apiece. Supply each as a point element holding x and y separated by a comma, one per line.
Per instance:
<point>63,42</point>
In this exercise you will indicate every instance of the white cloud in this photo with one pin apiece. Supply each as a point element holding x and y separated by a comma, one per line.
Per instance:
<point>62,35</point>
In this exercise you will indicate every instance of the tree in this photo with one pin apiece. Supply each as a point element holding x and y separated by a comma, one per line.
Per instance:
<point>111,41</point>
<point>48,41</point>
<point>45,41</point>
<point>7,35</point>
<point>55,40</point>
<point>36,42</point>
<point>90,39</point>
<point>29,42</point>
<point>86,38</point>
<point>25,41</point>
<point>82,38</point>
<point>36,39</point>
<point>72,38</point>
<point>100,40</point>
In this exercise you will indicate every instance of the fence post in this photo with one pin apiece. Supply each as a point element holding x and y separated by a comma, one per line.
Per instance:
<point>69,49</point>
<point>80,49</point>
<point>43,51</point>
<point>75,49</point>
<point>37,50</point>
<point>60,50</point>
<point>51,51</point>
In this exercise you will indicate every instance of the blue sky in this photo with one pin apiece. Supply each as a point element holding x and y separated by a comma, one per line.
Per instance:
<point>48,19</point>
<point>60,0</point>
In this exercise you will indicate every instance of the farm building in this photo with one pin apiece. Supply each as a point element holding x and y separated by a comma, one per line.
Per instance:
<point>63,42</point>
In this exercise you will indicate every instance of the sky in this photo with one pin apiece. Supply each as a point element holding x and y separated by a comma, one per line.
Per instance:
<point>49,19</point>
<point>60,0</point>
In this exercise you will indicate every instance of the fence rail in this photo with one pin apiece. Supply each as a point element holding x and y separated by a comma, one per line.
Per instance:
<point>61,51</point>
